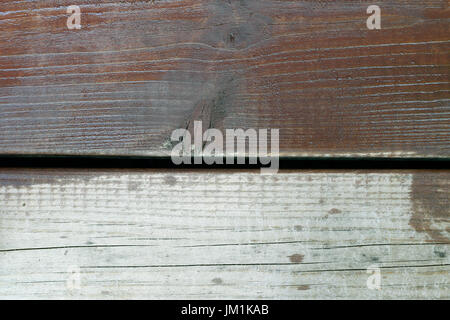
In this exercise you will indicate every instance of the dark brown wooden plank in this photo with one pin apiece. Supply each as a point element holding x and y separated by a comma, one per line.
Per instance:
<point>137,70</point>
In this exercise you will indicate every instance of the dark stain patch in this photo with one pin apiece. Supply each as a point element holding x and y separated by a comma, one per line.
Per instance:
<point>372,259</point>
<point>430,195</point>
<point>298,228</point>
<point>217,281</point>
<point>440,254</point>
<point>296,258</point>
<point>334,211</point>
<point>303,287</point>
<point>170,180</point>
<point>231,37</point>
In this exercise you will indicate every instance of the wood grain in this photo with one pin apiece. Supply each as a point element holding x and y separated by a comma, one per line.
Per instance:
<point>230,235</point>
<point>139,69</point>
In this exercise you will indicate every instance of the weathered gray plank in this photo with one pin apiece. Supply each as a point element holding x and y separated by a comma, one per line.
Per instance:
<point>197,234</point>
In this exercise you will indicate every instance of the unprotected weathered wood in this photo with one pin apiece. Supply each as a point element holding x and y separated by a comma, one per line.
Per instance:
<point>139,69</point>
<point>195,235</point>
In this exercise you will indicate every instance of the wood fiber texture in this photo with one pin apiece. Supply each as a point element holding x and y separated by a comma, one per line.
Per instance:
<point>137,70</point>
<point>231,235</point>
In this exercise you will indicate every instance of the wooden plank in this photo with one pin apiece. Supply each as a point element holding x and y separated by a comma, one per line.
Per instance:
<point>237,234</point>
<point>137,70</point>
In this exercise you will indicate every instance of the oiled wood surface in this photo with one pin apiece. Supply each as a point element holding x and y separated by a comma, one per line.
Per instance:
<point>197,234</point>
<point>137,70</point>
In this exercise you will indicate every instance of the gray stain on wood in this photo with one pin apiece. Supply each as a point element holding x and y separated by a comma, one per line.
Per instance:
<point>170,180</point>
